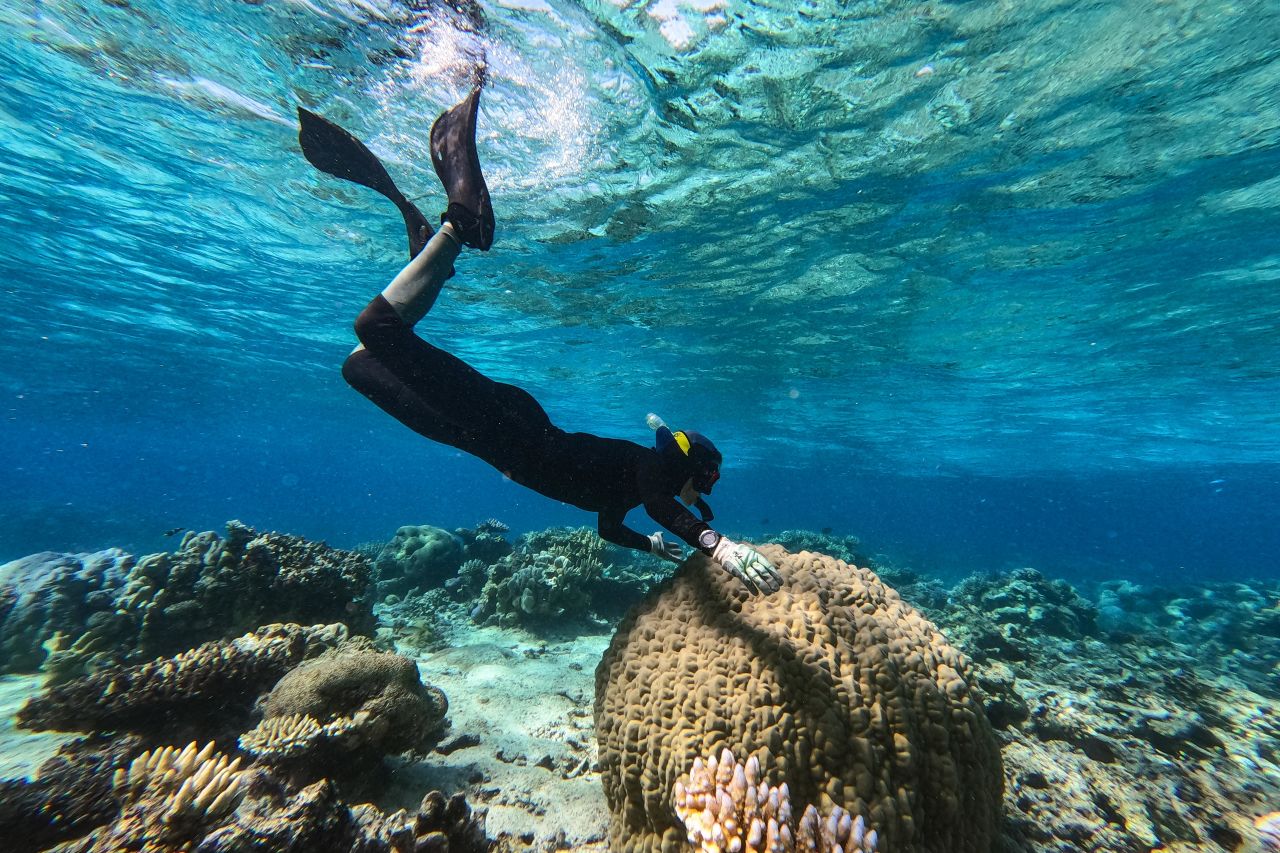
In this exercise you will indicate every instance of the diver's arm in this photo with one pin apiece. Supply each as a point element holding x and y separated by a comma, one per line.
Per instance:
<point>672,515</point>
<point>611,529</point>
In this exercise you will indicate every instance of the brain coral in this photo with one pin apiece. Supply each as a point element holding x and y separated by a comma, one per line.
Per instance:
<point>854,699</point>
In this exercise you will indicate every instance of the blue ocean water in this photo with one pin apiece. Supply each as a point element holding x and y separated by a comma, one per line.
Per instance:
<point>983,285</point>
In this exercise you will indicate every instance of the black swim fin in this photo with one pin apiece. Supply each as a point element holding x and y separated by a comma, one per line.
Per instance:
<point>336,152</point>
<point>453,153</point>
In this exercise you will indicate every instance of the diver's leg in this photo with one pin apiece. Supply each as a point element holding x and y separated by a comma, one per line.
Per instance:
<point>414,290</point>
<point>495,412</point>
<point>371,378</point>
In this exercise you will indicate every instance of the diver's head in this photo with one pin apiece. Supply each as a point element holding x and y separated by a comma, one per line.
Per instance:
<point>691,454</point>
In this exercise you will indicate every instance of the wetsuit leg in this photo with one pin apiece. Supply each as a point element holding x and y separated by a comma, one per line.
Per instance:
<point>449,399</point>
<point>367,375</point>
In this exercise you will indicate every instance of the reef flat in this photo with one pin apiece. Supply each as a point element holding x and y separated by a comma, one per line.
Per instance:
<point>467,689</point>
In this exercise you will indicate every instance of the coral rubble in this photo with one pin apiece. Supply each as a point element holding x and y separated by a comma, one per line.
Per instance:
<point>860,702</point>
<point>1124,725</point>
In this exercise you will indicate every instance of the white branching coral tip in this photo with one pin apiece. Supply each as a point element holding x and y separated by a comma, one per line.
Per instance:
<point>727,807</point>
<point>191,780</point>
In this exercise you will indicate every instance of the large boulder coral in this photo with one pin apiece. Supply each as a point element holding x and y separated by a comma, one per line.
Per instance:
<point>854,700</point>
<point>419,556</point>
<point>339,714</point>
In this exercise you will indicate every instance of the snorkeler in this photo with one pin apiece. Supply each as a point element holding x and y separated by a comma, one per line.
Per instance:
<point>443,398</point>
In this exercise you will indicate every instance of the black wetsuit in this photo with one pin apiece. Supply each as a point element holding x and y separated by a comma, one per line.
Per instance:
<point>440,396</point>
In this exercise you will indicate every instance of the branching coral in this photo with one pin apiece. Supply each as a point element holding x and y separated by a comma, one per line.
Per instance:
<point>548,576</point>
<point>727,807</point>
<point>195,782</point>
<point>169,797</point>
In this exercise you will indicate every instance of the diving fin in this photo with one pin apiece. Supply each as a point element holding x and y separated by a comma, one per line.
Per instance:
<point>453,153</point>
<point>336,152</point>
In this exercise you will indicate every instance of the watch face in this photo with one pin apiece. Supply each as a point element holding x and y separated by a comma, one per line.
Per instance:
<point>708,539</point>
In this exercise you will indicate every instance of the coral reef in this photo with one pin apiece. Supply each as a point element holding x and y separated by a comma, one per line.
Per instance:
<point>76,614</point>
<point>725,805</point>
<point>173,800</point>
<point>206,689</point>
<point>486,542</point>
<point>418,557</point>
<point>846,548</point>
<point>214,587</point>
<point>71,794</point>
<point>548,577</point>
<point>1141,733</point>
<point>860,702</point>
<point>1024,605</point>
<point>49,601</point>
<point>337,715</point>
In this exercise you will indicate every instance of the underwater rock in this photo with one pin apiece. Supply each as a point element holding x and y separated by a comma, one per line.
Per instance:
<point>419,557</point>
<point>851,696</point>
<point>206,690</point>
<point>50,599</point>
<point>336,716</point>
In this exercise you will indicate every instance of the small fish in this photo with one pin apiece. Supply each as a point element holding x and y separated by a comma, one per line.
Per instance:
<point>174,531</point>
<point>1217,482</point>
<point>764,522</point>
<point>827,531</point>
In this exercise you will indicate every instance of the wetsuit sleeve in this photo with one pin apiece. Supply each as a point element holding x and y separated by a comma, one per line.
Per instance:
<point>611,529</point>
<point>666,510</point>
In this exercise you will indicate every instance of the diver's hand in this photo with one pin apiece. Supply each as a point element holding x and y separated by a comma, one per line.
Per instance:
<point>747,565</point>
<point>664,549</point>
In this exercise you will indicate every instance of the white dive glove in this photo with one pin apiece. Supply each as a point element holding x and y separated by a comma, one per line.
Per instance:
<point>664,549</point>
<point>747,565</point>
